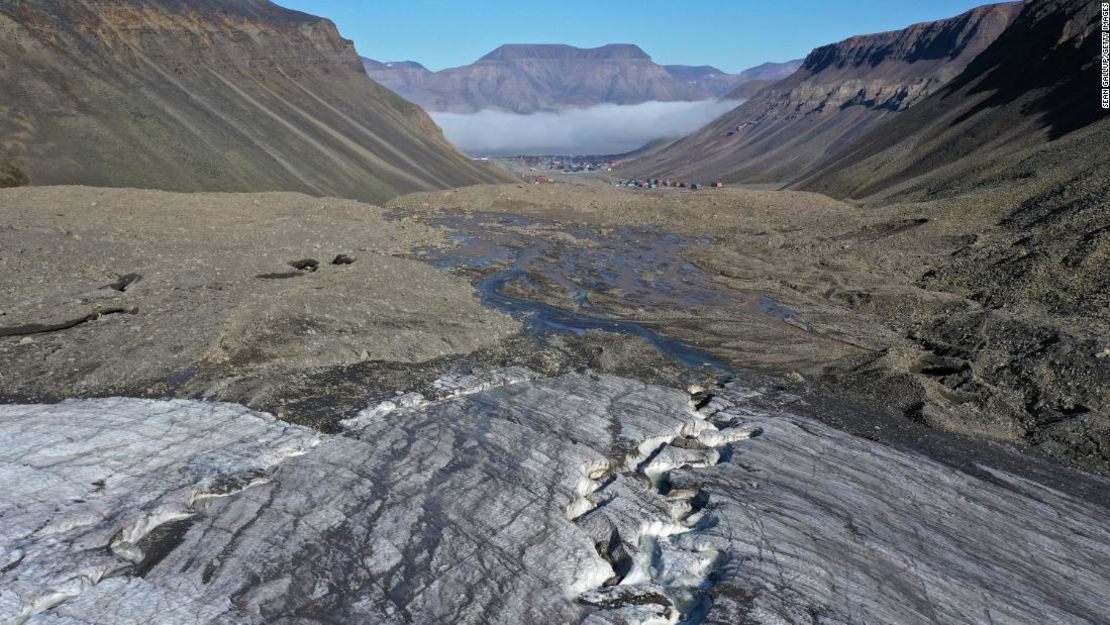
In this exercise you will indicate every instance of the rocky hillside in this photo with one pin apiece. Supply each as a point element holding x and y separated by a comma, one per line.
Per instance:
<point>1023,123</point>
<point>529,78</point>
<point>214,95</point>
<point>1035,84</point>
<point>841,91</point>
<point>1017,141</point>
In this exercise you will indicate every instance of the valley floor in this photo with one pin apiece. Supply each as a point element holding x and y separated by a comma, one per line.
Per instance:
<point>477,415</point>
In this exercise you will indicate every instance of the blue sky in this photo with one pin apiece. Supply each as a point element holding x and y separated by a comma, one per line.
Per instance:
<point>731,34</point>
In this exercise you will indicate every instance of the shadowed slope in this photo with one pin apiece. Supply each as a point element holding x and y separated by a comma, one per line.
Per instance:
<point>1017,142</point>
<point>1025,114</point>
<point>1036,83</point>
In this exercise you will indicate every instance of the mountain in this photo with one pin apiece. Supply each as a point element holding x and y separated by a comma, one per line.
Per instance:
<point>397,76</point>
<point>212,95</point>
<point>1024,114</point>
<point>529,78</point>
<point>769,71</point>
<point>705,78</point>
<point>748,90</point>
<point>719,84</point>
<point>1015,147</point>
<point>1031,86</point>
<point>840,92</point>
<point>752,81</point>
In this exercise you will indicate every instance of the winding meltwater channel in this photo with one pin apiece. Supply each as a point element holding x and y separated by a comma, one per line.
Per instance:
<point>568,279</point>
<point>541,317</point>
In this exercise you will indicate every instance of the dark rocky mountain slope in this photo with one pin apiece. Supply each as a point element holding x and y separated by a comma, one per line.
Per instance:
<point>1017,143</point>
<point>840,92</point>
<point>1022,122</point>
<point>528,78</point>
<point>212,95</point>
<point>1036,83</point>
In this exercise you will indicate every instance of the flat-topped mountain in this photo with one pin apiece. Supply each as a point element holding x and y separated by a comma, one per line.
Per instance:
<point>840,91</point>
<point>526,52</point>
<point>525,78</point>
<point>206,95</point>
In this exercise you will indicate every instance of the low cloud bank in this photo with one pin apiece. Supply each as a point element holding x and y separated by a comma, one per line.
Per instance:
<point>602,129</point>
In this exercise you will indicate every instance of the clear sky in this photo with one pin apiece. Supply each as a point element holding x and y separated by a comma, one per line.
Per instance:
<point>730,34</point>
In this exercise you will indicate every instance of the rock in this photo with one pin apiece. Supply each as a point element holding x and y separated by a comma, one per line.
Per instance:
<point>306,264</point>
<point>124,282</point>
<point>342,259</point>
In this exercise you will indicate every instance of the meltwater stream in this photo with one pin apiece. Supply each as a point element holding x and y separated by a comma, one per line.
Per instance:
<point>641,266</point>
<point>540,318</point>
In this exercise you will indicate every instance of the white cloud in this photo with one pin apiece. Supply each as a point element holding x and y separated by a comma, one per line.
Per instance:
<point>602,129</point>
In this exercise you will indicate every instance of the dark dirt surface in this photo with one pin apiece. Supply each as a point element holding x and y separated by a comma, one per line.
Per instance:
<point>323,397</point>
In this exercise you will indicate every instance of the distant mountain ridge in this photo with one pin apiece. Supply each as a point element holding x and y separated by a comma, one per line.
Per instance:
<point>841,91</point>
<point>526,78</point>
<point>207,95</point>
<point>722,84</point>
<point>558,51</point>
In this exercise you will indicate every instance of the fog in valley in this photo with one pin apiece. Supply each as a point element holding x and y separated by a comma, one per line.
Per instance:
<point>602,129</point>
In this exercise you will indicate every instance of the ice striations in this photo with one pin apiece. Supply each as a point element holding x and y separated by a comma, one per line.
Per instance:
<point>513,498</point>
